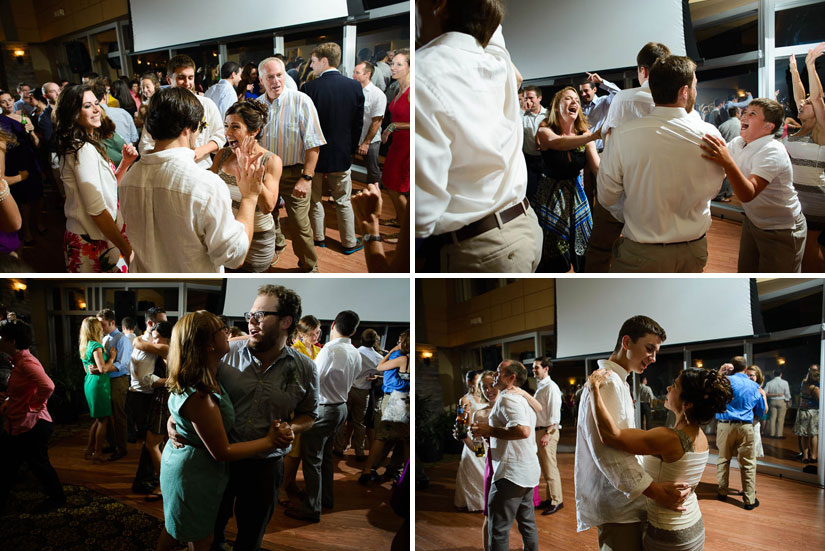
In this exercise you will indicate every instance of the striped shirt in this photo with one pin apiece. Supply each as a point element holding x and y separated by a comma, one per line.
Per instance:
<point>293,126</point>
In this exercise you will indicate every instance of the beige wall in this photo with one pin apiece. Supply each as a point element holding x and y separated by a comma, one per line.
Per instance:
<point>525,305</point>
<point>79,15</point>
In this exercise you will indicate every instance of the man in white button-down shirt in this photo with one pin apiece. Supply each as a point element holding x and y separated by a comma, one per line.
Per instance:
<point>179,215</point>
<point>471,214</point>
<point>628,105</point>
<point>610,484</point>
<point>338,364</point>
<point>548,426</point>
<point>515,465</point>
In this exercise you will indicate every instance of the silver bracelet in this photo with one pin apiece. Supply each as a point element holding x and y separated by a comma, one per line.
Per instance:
<point>6,191</point>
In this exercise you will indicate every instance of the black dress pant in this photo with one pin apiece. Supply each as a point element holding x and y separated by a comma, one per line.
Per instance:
<point>32,447</point>
<point>250,495</point>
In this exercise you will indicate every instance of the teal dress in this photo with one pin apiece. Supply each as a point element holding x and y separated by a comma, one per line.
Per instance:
<point>191,481</point>
<point>97,387</point>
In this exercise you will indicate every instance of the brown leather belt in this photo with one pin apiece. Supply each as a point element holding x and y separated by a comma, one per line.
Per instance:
<point>485,224</point>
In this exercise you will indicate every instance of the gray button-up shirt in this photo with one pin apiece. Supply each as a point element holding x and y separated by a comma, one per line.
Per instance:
<point>261,394</point>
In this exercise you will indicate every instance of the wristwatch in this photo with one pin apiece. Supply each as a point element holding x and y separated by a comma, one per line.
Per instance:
<point>369,237</point>
<point>307,177</point>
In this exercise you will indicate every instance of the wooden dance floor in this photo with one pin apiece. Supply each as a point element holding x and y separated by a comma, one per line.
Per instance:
<point>362,517</point>
<point>791,515</point>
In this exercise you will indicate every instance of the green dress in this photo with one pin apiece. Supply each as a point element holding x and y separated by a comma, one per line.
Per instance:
<point>191,481</point>
<point>97,387</point>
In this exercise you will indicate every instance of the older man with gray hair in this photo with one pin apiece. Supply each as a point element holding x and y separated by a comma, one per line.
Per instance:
<point>293,132</point>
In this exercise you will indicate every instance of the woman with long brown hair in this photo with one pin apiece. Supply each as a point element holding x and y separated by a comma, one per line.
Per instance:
<point>560,203</point>
<point>193,478</point>
<point>95,238</point>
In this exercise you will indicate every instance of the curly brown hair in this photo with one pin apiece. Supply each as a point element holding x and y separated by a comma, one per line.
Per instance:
<point>71,136</point>
<point>254,115</point>
<point>707,391</point>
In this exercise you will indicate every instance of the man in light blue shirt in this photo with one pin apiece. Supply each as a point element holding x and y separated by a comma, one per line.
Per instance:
<point>734,432</point>
<point>124,123</point>
<point>24,103</point>
<point>223,92</point>
<point>595,107</point>
<point>267,381</point>
<point>119,379</point>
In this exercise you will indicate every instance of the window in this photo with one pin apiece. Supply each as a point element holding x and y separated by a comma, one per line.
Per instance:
<point>75,299</point>
<point>794,311</point>
<point>802,25</point>
<point>726,83</point>
<point>728,38</point>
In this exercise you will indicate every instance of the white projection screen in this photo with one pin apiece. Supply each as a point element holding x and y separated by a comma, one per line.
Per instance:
<point>590,312</point>
<point>565,37</point>
<point>162,23</point>
<point>374,300</point>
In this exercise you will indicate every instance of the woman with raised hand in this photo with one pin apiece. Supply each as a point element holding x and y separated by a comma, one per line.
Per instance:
<point>95,239</point>
<point>193,478</point>
<point>677,454</point>
<point>807,150</point>
<point>97,362</point>
<point>243,123</point>
<point>567,146</point>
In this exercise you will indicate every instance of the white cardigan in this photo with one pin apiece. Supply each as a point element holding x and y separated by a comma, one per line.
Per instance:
<point>91,188</point>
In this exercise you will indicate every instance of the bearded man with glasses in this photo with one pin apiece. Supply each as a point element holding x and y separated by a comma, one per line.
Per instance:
<point>267,381</point>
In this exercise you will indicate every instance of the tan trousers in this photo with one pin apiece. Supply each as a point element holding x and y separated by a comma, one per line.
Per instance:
<point>736,439</point>
<point>776,421</point>
<point>298,211</point>
<point>549,467</point>
<point>120,386</point>
<point>512,247</point>
<point>339,185</point>
<point>620,537</point>
<point>770,251</point>
<point>630,256</point>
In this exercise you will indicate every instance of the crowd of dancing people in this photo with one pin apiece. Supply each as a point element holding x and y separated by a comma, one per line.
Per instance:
<point>619,182</point>
<point>119,153</point>
<point>636,486</point>
<point>223,422</point>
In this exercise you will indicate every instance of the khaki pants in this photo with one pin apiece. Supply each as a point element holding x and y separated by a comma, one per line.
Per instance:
<point>357,401</point>
<point>771,251</point>
<point>549,467</point>
<point>620,537</point>
<point>776,421</point>
<point>509,248</point>
<point>629,256</point>
<point>606,230</point>
<point>736,439</point>
<point>339,185</point>
<point>120,386</point>
<point>298,211</point>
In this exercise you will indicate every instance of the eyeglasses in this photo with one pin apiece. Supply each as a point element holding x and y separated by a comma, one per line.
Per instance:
<point>259,315</point>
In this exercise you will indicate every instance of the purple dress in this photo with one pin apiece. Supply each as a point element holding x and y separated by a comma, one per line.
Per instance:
<point>21,156</point>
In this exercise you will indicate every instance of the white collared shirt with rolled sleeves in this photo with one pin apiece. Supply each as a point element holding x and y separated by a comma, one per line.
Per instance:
<point>339,363</point>
<point>179,216</point>
<point>468,133</point>
<point>515,460</point>
<point>212,132</point>
<point>655,165</point>
<point>375,104</point>
<point>609,482</point>
<point>548,394</point>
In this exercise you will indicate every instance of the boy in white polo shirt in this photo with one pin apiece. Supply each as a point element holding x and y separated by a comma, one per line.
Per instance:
<point>759,170</point>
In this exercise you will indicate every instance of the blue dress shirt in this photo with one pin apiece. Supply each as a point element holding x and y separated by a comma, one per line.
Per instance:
<point>119,342</point>
<point>747,401</point>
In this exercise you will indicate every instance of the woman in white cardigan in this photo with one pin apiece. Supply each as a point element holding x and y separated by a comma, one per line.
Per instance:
<point>95,238</point>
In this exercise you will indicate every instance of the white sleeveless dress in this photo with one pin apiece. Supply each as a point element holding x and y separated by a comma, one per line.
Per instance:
<point>469,481</point>
<point>669,530</point>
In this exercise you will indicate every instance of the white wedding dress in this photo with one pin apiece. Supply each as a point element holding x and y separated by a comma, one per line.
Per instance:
<point>469,481</point>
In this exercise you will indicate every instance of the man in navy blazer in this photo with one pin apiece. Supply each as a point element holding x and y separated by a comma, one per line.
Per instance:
<point>339,101</point>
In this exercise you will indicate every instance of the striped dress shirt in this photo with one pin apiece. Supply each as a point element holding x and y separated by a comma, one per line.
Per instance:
<point>293,126</point>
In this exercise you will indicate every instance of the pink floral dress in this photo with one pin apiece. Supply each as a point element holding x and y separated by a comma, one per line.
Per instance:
<point>86,255</point>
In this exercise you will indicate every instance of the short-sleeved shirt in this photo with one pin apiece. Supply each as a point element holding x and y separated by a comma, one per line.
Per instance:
<point>375,104</point>
<point>292,127</point>
<point>777,206</point>
<point>392,378</point>
<point>262,394</point>
<point>515,460</point>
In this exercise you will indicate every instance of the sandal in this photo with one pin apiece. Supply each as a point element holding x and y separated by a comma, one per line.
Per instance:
<point>390,222</point>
